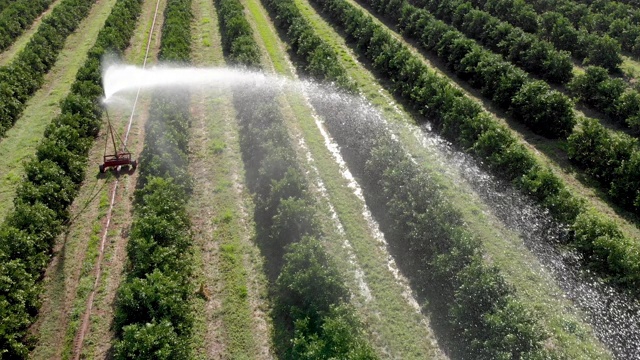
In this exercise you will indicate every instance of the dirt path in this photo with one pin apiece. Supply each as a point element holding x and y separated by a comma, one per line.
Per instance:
<point>233,290</point>
<point>70,277</point>
<point>118,218</point>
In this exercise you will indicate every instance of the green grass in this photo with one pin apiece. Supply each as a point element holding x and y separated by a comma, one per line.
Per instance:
<point>140,38</point>
<point>85,286</point>
<point>217,146</point>
<point>630,67</point>
<point>21,140</point>
<point>98,339</point>
<point>226,230</point>
<point>76,261</point>
<point>267,38</point>
<point>235,307</point>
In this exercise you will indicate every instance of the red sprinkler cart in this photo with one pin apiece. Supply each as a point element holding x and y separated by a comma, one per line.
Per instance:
<point>118,158</point>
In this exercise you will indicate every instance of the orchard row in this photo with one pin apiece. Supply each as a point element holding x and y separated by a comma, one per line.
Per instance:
<point>52,179</point>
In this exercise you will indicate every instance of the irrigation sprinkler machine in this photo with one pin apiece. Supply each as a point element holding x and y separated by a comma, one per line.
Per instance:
<point>118,158</point>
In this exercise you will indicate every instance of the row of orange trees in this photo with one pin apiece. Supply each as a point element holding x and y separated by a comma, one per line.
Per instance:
<point>600,153</point>
<point>312,315</point>
<point>153,316</point>
<point>544,110</point>
<point>51,182</point>
<point>611,96</point>
<point>5,3</point>
<point>612,18</point>
<point>16,16</point>
<point>525,50</point>
<point>479,310</point>
<point>464,121</point>
<point>25,75</point>
<point>612,159</point>
<point>591,49</point>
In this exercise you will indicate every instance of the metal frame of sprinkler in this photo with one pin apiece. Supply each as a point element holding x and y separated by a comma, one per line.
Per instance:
<point>118,158</point>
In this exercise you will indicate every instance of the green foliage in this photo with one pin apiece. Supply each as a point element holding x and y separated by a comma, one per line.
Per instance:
<point>543,110</point>
<point>606,248</point>
<point>563,24</point>
<point>18,298</point>
<point>603,51</point>
<point>546,111</point>
<point>338,338</point>
<point>610,158</point>
<point>17,16</point>
<point>318,58</point>
<point>436,98</point>
<point>522,49</point>
<point>237,41</point>
<point>309,323</point>
<point>505,329</point>
<point>306,326</point>
<point>176,34</point>
<point>422,226</point>
<point>154,316</point>
<point>152,341</point>
<point>54,174</point>
<point>602,18</point>
<point>626,186</point>
<point>308,284</point>
<point>440,254</point>
<point>158,295</point>
<point>312,300</point>
<point>20,80</point>
<point>609,96</point>
<point>294,219</point>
